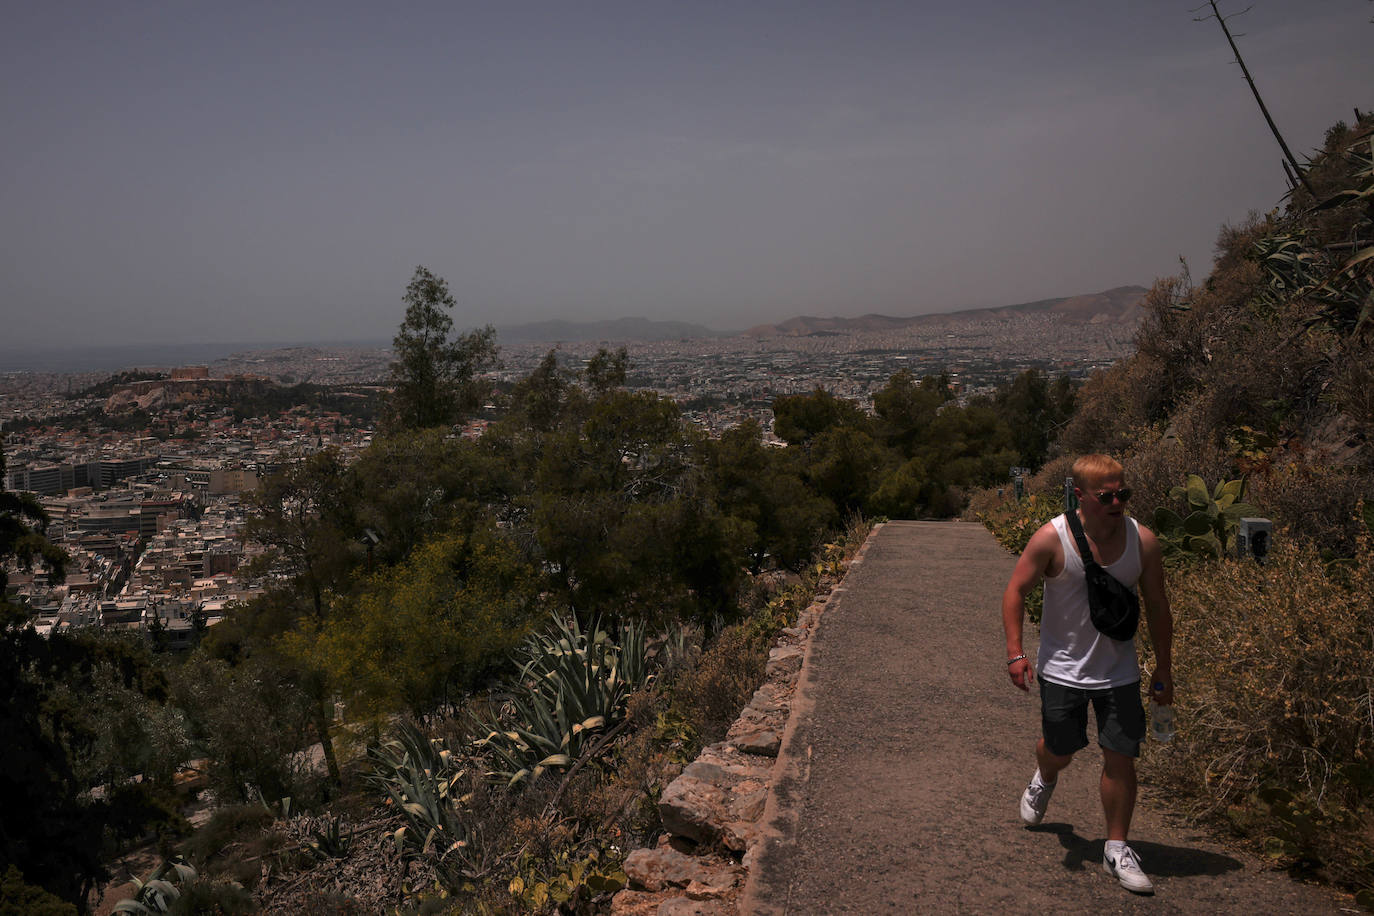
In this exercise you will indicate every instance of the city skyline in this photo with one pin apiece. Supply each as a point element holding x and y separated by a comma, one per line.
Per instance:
<point>263,173</point>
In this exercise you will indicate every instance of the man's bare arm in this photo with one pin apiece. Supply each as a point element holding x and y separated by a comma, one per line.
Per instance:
<point>1030,570</point>
<point>1158,616</point>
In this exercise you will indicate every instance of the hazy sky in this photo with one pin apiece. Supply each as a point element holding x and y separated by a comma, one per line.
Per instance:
<point>274,171</point>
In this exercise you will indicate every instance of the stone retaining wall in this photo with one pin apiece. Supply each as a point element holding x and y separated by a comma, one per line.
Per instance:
<point>717,813</point>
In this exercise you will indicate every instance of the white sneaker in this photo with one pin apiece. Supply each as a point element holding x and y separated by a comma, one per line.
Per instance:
<point>1124,866</point>
<point>1035,800</point>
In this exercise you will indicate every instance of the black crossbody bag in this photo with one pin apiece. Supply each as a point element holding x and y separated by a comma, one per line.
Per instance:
<point>1113,607</point>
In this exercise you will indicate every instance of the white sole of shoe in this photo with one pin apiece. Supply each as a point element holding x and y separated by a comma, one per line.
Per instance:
<point>1148,887</point>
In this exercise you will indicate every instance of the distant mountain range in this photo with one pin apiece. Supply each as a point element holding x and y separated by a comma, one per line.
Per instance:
<point>1119,305</point>
<point>1113,305</point>
<point>617,329</point>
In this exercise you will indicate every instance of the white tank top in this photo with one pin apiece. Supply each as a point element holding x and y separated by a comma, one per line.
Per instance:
<point>1073,652</point>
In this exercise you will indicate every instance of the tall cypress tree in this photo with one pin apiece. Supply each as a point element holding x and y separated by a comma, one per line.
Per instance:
<point>434,376</point>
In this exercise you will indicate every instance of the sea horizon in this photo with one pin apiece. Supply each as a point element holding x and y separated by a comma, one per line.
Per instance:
<point>122,357</point>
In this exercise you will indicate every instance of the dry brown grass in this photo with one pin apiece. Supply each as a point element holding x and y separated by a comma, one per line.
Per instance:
<point>1276,704</point>
<point>1352,383</point>
<point>710,695</point>
<point>1319,502</point>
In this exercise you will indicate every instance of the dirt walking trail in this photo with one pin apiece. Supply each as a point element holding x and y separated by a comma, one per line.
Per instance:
<point>908,748</point>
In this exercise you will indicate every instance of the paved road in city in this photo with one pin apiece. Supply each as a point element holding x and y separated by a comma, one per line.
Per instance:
<point>908,751</point>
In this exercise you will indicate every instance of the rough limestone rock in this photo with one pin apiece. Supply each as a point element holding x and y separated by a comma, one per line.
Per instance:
<point>635,903</point>
<point>720,798</point>
<point>760,739</point>
<point>773,700</point>
<point>759,728</point>
<point>784,662</point>
<point>689,807</point>
<point>703,890</point>
<point>682,906</point>
<point>738,836</point>
<point>656,869</point>
<point>697,804</point>
<point>749,799</point>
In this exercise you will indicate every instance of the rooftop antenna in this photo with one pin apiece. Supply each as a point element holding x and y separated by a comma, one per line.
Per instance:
<point>1221,21</point>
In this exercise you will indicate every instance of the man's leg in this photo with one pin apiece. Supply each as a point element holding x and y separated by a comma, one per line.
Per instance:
<point>1118,803</point>
<point>1118,793</point>
<point>1120,729</point>
<point>1036,798</point>
<point>1063,726</point>
<point>1050,763</point>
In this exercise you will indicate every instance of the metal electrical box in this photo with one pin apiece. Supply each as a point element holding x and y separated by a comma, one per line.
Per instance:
<point>1254,538</point>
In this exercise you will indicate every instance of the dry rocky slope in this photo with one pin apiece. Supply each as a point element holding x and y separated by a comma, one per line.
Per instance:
<point>878,771</point>
<point>717,811</point>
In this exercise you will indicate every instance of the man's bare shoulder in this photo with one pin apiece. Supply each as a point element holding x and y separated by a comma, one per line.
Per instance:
<point>1149,542</point>
<point>1045,540</point>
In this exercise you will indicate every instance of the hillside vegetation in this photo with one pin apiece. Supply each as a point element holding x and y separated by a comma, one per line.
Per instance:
<point>1252,393</point>
<point>528,633</point>
<point>531,631</point>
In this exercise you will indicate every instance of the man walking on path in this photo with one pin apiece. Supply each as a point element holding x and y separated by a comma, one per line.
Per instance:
<point>1078,664</point>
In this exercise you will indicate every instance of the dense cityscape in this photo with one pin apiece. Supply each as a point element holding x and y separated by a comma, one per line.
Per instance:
<point>143,479</point>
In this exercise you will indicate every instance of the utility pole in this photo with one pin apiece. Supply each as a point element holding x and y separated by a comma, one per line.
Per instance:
<point>1288,154</point>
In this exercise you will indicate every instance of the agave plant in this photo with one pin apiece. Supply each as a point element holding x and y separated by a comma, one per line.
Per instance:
<point>573,685</point>
<point>328,841</point>
<point>1361,158</point>
<point>1297,267</point>
<point>1214,515</point>
<point>423,779</point>
<point>160,890</point>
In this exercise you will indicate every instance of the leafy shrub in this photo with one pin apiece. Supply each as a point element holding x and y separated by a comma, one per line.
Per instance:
<point>456,605</point>
<point>1113,405</point>
<point>1014,521</point>
<point>1352,387</point>
<point>227,825</point>
<point>1159,459</point>
<point>1209,529</point>
<point>707,697</point>
<point>570,883</point>
<point>249,720</point>
<point>20,899</point>
<point>981,501</point>
<point>1275,690</point>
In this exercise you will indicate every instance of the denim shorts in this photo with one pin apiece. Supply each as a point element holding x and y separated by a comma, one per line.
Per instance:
<point>1064,718</point>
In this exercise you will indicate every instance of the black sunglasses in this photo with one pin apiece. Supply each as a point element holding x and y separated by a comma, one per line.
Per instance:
<point>1106,496</point>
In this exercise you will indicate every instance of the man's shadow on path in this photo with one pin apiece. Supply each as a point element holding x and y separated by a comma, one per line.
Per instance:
<point>1157,859</point>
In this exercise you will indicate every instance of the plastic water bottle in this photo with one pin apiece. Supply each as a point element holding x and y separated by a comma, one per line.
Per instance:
<point>1161,718</point>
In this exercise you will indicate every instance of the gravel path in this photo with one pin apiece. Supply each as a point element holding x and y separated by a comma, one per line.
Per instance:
<point>909,748</point>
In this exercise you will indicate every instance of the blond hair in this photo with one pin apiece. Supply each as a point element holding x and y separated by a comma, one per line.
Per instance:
<point>1090,469</point>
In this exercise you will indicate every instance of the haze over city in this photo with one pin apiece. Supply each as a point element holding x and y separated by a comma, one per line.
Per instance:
<point>270,172</point>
